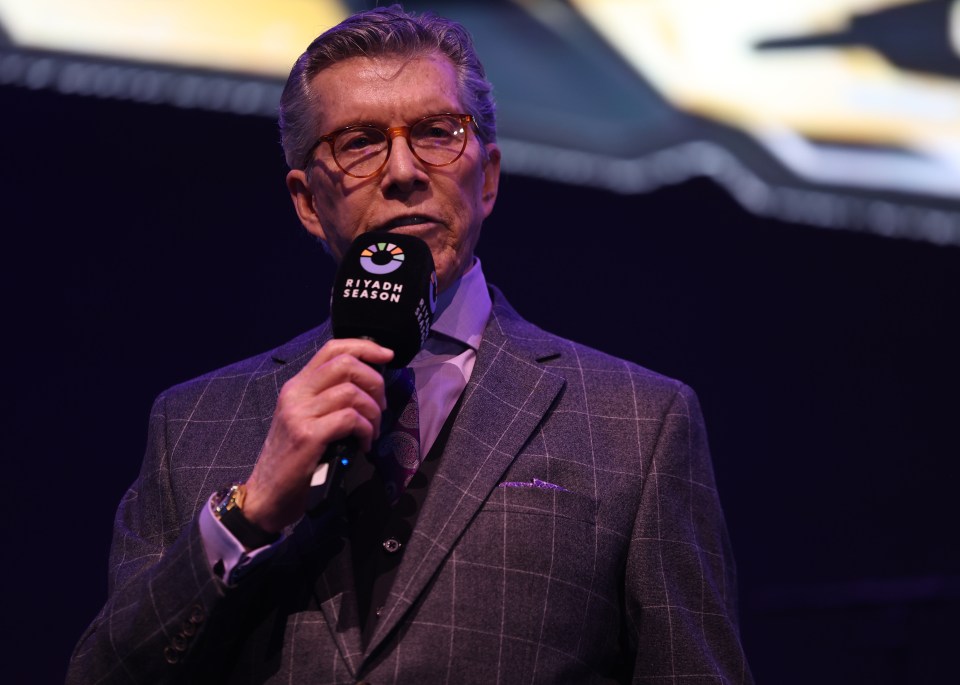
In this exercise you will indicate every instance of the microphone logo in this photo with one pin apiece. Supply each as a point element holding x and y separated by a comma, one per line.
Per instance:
<point>381,258</point>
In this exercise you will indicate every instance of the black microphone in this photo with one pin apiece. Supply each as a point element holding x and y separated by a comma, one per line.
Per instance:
<point>385,290</point>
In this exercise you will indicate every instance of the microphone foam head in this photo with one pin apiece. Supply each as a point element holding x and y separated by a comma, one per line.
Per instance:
<point>386,289</point>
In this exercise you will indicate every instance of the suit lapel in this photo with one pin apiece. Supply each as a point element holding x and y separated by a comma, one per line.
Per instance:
<point>284,363</point>
<point>324,556</point>
<point>507,397</point>
<point>319,543</point>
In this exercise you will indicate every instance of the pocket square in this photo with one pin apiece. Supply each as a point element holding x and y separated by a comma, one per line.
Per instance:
<point>535,483</point>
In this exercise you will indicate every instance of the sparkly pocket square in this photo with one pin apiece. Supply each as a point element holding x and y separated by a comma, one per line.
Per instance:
<point>535,483</point>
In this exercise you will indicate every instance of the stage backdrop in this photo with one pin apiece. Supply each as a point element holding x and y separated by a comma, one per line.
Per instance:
<point>836,113</point>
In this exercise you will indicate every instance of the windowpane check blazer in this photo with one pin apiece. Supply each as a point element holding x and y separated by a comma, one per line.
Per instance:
<point>572,533</point>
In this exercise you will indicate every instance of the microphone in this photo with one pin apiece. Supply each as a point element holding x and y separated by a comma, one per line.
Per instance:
<point>385,290</point>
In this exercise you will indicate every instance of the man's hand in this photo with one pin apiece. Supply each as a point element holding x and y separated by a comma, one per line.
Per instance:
<point>337,394</point>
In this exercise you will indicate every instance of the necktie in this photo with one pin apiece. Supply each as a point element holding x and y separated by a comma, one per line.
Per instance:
<point>398,449</point>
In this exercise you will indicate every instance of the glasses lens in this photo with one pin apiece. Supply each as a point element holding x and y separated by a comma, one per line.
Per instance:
<point>361,150</point>
<point>438,140</point>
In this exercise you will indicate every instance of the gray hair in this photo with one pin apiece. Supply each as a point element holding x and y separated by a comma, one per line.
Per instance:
<point>374,33</point>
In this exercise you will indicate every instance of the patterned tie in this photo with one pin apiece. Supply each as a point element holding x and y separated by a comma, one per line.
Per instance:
<point>398,449</point>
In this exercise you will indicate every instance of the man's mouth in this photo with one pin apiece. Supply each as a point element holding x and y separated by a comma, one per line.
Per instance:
<point>402,221</point>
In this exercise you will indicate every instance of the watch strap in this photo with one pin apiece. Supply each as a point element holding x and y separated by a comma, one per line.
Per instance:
<point>228,509</point>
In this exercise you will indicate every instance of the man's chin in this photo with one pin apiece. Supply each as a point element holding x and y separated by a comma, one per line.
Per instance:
<point>447,275</point>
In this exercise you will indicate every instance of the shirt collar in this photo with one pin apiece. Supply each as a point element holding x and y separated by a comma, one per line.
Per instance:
<point>464,307</point>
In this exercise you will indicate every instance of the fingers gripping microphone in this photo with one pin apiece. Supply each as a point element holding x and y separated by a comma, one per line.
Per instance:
<point>385,290</point>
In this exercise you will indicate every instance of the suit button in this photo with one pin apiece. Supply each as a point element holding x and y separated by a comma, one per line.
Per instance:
<point>392,545</point>
<point>197,614</point>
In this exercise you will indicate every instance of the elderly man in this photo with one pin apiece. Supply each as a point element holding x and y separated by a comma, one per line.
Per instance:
<point>561,524</point>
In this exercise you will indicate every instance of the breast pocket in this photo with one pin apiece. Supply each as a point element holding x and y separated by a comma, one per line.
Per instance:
<point>535,530</point>
<point>530,566</point>
<point>542,501</point>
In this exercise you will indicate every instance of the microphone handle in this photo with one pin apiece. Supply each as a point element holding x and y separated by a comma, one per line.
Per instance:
<point>336,460</point>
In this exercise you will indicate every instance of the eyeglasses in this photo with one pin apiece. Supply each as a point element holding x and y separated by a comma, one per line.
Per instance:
<point>362,151</point>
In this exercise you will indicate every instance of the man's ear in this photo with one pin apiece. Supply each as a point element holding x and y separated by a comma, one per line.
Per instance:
<point>491,178</point>
<point>304,203</point>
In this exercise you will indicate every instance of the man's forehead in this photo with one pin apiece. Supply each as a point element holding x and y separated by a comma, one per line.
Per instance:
<point>369,88</point>
<point>388,67</point>
<point>392,67</point>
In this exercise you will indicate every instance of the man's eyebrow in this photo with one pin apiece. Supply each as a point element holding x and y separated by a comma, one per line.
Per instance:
<point>443,109</point>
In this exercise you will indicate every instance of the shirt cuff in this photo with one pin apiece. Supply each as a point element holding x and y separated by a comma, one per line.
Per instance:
<point>227,557</point>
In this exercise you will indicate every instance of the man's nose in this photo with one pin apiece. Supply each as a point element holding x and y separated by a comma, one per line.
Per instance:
<point>403,170</point>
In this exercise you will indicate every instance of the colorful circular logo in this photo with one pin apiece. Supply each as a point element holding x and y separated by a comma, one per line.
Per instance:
<point>381,258</point>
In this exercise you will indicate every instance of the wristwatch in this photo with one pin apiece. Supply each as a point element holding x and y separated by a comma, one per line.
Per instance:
<point>228,509</point>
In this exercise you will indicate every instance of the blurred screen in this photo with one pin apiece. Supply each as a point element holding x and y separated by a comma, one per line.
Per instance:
<point>837,113</point>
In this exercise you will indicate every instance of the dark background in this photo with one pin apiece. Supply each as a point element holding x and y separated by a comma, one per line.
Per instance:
<point>144,245</point>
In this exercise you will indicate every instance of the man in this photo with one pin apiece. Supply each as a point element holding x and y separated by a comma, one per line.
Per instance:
<point>562,525</point>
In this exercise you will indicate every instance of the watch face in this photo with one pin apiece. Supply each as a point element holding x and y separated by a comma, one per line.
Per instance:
<point>229,511</point>
<point>238,495</point>
<point>227,499</point>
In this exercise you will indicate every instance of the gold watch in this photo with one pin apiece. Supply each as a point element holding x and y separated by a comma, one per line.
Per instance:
<point>228,509</point>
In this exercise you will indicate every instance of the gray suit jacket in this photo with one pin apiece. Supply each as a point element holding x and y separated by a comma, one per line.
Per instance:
<point>624,576</point>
